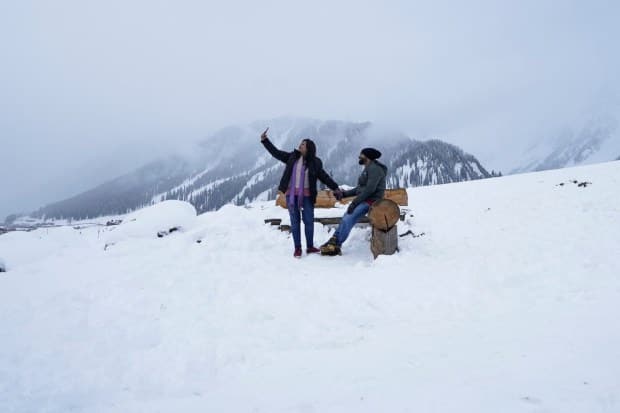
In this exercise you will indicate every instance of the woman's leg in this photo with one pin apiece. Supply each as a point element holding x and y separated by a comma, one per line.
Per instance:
<point>293,211</point>
<point>308,217</point>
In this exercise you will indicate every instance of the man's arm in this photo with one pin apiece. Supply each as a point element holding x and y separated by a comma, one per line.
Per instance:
<point>350,192</point>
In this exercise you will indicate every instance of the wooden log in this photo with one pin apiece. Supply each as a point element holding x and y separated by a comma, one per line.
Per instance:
<point>280,200</point>
<point>384,214</point>
<point>384,242</point>
<point>398,195</point>
<point>326,198</point>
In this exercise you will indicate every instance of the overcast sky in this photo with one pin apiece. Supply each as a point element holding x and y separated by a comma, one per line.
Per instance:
<point>92,89</point>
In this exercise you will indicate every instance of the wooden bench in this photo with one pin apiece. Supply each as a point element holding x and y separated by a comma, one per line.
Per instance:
<point>334,221</point>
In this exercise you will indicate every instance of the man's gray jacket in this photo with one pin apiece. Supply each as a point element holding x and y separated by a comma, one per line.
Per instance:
<point>370,185</point>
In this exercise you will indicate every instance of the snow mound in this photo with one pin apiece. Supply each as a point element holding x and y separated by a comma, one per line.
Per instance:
<point>147,222</point>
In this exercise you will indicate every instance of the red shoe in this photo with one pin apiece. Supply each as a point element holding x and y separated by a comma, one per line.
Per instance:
<point>297,253</point>
<point>312,250</point>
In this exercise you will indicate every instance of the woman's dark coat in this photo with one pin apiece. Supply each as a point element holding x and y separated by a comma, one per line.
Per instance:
<point>315,169</point>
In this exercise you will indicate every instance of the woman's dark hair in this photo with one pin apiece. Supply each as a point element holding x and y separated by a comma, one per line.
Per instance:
<point>310,149</point>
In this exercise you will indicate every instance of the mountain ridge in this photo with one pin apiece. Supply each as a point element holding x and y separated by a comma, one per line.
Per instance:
<point>232,166</point>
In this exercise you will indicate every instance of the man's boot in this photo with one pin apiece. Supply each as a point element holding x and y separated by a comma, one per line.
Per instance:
<point>331,247</point>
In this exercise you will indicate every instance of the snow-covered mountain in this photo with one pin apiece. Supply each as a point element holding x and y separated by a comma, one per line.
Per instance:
<point>508,303</point>
<point>232,166</point>
<point>598,140</point>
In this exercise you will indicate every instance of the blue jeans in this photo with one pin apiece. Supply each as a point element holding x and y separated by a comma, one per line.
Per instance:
<point>348,222</point>
<point>307,214</point>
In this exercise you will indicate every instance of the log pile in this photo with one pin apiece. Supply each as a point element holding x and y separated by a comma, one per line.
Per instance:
<point>326,198</point>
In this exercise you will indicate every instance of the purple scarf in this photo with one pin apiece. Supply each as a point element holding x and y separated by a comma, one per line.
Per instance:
<point>300,191</point>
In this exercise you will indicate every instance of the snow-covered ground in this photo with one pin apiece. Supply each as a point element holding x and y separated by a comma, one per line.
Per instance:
<point>510,302</point>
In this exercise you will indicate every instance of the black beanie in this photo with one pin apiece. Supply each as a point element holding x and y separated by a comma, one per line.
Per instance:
<point>371,153</point>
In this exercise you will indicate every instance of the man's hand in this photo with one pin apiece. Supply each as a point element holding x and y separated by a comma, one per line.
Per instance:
<point>263,136</point>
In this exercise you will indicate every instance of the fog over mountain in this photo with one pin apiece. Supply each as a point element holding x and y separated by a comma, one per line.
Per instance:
<point>233,166</point>
<point>596,140</point>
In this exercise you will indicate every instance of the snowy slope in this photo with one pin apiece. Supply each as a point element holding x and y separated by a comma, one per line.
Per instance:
<point>508,303</point>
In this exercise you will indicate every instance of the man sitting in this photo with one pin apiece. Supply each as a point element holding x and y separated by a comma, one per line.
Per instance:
<point>370,188</point>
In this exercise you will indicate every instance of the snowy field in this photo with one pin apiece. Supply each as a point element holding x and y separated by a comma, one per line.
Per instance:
<point>510,302</point>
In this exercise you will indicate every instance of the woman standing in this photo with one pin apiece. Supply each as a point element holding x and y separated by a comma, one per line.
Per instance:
<point>298,183</point>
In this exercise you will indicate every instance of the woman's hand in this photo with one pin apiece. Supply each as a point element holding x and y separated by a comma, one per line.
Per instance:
<point>263,136</point>
<point>338,194</point>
